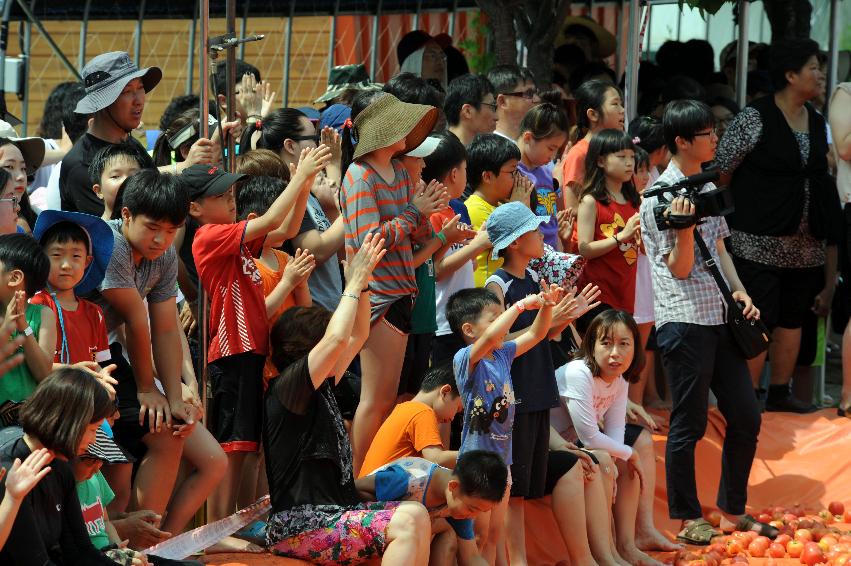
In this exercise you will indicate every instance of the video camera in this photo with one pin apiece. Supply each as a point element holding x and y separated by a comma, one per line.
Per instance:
<point>717,202</point>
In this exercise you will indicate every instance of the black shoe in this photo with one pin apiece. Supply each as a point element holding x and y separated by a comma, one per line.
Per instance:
<point>789,404</point>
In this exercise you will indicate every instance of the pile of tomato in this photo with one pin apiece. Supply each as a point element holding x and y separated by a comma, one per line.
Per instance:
<point>813,539</point>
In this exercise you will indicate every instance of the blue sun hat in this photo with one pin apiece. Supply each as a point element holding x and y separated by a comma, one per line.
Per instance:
<point>508,222</point>
<point>100,242</point>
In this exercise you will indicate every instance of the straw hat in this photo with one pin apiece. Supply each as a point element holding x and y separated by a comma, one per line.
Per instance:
<point>606,42</point>
<point>387,120</point>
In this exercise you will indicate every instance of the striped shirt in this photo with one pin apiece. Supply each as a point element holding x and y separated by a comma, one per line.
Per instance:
<point>696,299</point>
<point>371,205</point>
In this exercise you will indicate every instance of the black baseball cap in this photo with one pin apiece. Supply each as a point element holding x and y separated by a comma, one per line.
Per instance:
<point>208,180</point>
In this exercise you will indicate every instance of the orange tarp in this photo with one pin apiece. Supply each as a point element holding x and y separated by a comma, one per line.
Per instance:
<point>801,459</point>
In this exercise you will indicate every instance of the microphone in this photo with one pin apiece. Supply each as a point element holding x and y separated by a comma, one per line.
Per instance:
<point>228,42</point>
<point>698,179</point>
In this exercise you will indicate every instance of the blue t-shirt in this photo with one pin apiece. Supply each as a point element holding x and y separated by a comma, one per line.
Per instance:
<point>546,198</point>
<point>488,396</point>
<point>533,373</point>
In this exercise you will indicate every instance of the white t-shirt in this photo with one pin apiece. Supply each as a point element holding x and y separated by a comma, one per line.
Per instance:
<point>462,278</point>
<point>589,404</point>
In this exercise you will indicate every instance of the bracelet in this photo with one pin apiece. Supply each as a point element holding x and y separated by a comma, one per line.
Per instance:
<point>520,306</point>
<point>615,238</point>
<point>350,295</point>
<point>365,290</point>
<point>441,236</point>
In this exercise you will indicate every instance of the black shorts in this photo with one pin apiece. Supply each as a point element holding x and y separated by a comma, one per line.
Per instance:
<point>398,315</point>
<point>530,449</point>
<point>444,348</point>
<point>559,463</point>
<point>236,408</point>
<point>417,355</point>
<point>782,295</point>
<point>809,340</point>
<point>630,436</point>
<point>127,431</point>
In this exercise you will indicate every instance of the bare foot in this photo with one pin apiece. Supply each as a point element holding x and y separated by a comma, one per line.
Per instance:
<point>637,558</point>
<point>233,544</point>
<point>654,540</point>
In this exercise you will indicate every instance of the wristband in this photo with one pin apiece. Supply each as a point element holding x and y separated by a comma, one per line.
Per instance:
<point>364,290</point>
<point>615,238</point>
<point>350,295</point>
<point>28,331</point>
<point>441,236</point>
<point>520,306</point>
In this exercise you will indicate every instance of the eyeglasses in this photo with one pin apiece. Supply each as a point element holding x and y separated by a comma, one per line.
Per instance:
<point>13,200</point>
<point>491,105</point>
<point>528,94</point>
<point>314,138</point>
<point>712,132</point>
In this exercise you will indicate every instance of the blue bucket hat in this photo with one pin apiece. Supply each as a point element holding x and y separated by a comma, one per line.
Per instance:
<point>100,242</point>
<point>335,116</point>
<point>510,221</point>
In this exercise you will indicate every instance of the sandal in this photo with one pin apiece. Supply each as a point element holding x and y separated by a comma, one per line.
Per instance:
<point>748,523</point>
<point>699,533</point>
<point>843,411</point>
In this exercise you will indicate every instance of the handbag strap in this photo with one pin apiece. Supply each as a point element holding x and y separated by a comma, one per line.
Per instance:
<point>712,267</point>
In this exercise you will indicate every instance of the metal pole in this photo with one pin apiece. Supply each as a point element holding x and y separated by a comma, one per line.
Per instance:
<point>204,95</point>
<point>53,46</point>
<point>742,54</point>
<point>243,26</point>
<point>4,40</point>
<point>619,39</point>
<point>333,38</point>
<point>25,110</point>
<point>230,88</point>
<point>190,56</point>
<point>137,55</point>
<point>452,13</point>
<point>833,53</point>
<point>84,32</point>
<point>632,54</point>
<point>373,44</point>
<point>287,49</point>
<point>419,8</point>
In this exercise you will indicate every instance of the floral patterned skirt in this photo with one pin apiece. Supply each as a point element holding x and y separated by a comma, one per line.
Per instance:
<point>330,534</point>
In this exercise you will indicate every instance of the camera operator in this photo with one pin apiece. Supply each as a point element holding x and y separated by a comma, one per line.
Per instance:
<point>697,348</point>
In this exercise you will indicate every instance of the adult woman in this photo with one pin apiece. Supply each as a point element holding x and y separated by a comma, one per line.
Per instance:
<point>840,126</point>
<point>21,157</point>
<point>62,415</point>
<point>774,155</point>
<point>316,512</point>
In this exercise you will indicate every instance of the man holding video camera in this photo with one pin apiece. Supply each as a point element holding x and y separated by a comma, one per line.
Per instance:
<point>698,350</point>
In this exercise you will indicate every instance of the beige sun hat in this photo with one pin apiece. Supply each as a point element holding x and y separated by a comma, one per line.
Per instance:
<point>387,120</point>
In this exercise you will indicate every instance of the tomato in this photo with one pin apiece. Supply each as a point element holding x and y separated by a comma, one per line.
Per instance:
<point>734,547</point>
<point>777,550</point>
<point>846,517</point>
<point>714,518</point>
<point>756,549</point>
<point>795,548</point>
<point>804,535</point>
<point>740,559</point>
<point>812,554</point>
<point>836,508</point>
<point>764,518</point>
<point>829,539</point>
<point>783,539</point>
<point>789,517</point>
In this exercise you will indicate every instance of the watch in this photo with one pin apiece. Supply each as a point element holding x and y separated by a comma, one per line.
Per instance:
<point>28,331</point>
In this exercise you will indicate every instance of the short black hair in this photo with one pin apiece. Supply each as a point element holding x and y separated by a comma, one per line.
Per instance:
<point>159,196</point>
<point>257,194</point>
<point>242,68</point>
<point>438,376</point>
<point>482,474</point>
<point>505,77</point>
<point>488,152</point>
<point>21,251</point>
<point>75,124</point>
<point>789,55</point>
<point>466,89</point>
<point>413,89</point>
<point>51,117</point>
<point>466,306</point>
<point>448,154</point>
<point>129,148</point>
<point>64,232</point>
<point>545,120</point>
<point>649,131</point>
<point>591,95</point>
<point>685,118</point>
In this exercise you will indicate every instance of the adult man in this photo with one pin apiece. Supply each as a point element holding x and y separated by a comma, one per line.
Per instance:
<point>516,93</point>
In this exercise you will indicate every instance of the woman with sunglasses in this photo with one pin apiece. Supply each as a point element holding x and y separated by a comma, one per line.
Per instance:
<point>10,206</point>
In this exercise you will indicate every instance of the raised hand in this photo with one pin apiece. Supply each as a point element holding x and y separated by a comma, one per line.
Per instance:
<point>25,475</point>
<point>299,267</point>
<point>522,190</point>
<point>313,160</point>
<point>631,228</point>
<point>456,231</point>
<point>587,300</point>
<point>431,198</point>
<point>566,219</point>
<point>358,266</point>
<point>267,96</point>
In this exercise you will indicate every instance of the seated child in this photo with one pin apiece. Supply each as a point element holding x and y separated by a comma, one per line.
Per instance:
<point>412,428</point>
<point>475,486</point>
<point>24,270</point>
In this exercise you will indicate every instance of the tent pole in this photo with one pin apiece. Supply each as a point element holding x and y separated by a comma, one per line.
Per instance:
<point>833,53</point>
<point>84,31</point>
<point>632,57</point>
<point>742,54</point>
<point>287,49</point>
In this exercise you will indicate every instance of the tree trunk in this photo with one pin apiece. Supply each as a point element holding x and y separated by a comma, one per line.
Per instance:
<point>789,18</point>
<point>501,17</point>
<point>539,24</point>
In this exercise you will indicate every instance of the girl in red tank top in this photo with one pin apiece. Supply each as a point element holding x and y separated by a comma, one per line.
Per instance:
<point>607,222</point>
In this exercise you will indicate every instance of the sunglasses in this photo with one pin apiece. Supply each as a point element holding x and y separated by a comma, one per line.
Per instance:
<point>314,138</point>
<point>528,94</point>
<point>13,200</point>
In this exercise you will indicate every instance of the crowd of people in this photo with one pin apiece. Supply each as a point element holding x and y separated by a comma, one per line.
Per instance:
<point>431,302</point>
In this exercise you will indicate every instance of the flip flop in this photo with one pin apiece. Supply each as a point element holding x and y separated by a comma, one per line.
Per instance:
<point>748,523</point>
<point>698,533</point>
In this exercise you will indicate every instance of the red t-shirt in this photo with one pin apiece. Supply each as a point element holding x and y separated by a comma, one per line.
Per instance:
<point>573,167</point>
<point>228,273</point>
<point>614,272</point>
<point>85,331</point>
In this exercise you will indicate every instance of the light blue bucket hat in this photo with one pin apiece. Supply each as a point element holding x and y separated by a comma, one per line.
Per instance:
<point>510,221</point>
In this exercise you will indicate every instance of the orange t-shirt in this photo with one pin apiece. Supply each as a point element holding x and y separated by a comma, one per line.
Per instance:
<point>573,167</point>
<point>411,427</point>
<point>270,278</point>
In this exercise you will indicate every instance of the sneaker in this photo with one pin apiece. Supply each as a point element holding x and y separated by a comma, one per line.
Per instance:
<point>789,404</point>
<point>255,532</point>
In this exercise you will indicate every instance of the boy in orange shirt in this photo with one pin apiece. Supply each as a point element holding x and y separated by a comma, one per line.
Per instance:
<point>412,428</point>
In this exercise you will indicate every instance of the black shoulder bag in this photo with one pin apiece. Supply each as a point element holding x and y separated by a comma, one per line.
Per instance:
<point>751,335</point>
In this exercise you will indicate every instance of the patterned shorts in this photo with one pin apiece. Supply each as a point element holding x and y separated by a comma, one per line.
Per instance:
<point>328,534</point>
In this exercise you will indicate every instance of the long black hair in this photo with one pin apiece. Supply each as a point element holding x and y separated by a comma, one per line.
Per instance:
<point>275,128</point>
<point>602,144</point>
<point>591,95</point>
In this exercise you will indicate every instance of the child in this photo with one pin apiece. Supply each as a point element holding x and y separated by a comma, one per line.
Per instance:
<point>144,266</point>
<point>697,349</point>
<point>20,479</point>
<point>599,106</point>
<point>475,486</point>
<point>593,389</point>
<point>224,254</point>
<point>646,132</point>
<point>109,168</point>
<point>412,429</point>
<point>317,513</point>
<point>447,164</point>
<point>607,221</point>
<point>284,277</point>
<point>23,272</point>
<point>543,131</point>
<point>379,197</point>
<point>492,174</point>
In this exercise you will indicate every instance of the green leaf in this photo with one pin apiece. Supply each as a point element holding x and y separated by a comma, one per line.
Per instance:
<point>706,6</point>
